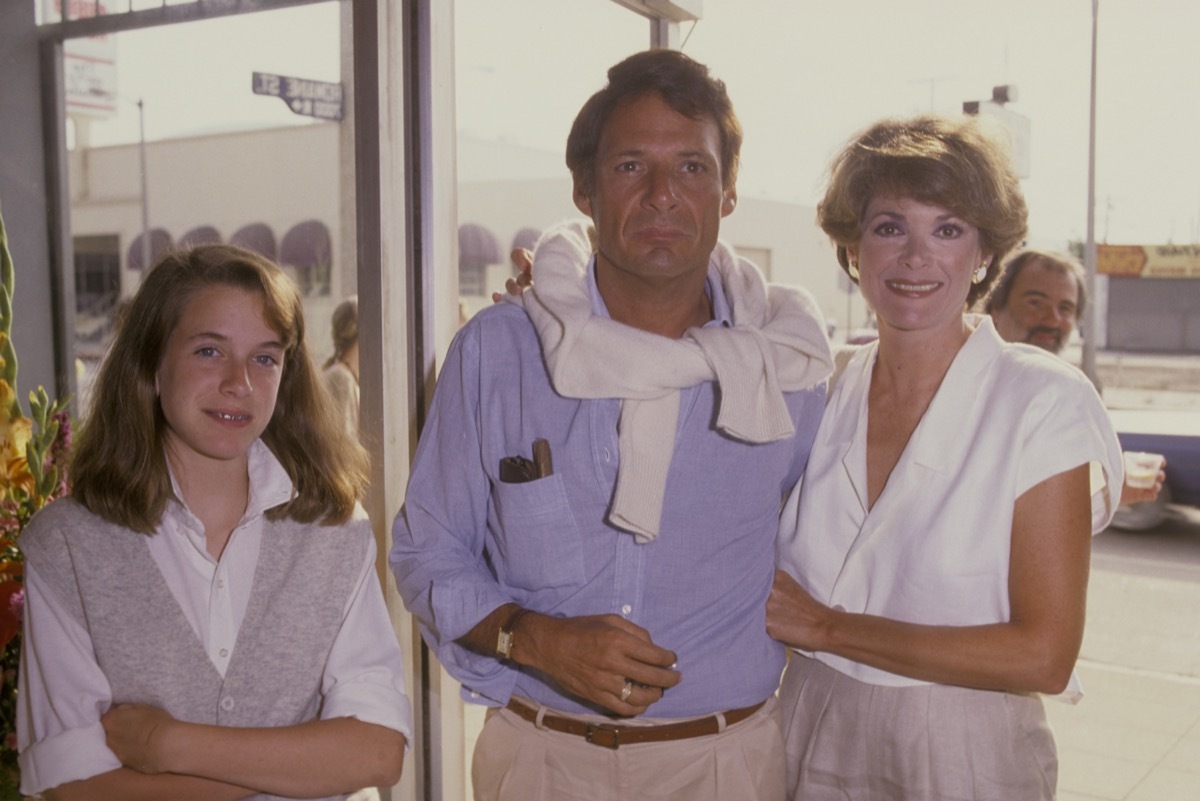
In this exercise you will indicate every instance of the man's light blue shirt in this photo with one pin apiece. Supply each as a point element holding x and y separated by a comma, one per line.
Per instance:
<point>466,543</point>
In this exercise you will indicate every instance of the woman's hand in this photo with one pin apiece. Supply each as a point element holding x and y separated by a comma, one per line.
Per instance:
<point>794,617</point>
<point>135,733</point>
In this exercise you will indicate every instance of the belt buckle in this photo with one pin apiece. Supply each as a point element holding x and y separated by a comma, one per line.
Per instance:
<point>603,735</point>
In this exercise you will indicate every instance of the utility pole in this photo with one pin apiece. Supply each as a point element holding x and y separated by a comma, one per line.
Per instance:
<point>145,198</point>
<point>1089,252</point>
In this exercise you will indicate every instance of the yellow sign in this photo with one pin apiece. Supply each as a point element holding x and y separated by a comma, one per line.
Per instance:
<point>1149,261</point>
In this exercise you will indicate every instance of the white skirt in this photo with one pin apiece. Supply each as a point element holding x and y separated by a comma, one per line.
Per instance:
<point>851,741</point>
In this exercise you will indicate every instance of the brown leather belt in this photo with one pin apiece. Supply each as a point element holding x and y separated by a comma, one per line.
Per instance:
<point>610,735</point>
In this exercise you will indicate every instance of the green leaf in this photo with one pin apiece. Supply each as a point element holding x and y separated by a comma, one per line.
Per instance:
<point>38,403</point>
<point>8,274</point>
<point>8,279</point>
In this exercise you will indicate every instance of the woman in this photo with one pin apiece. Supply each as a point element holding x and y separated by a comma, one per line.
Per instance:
<point>203,618</point>
<point>340,370</point>
<point>935,557</point>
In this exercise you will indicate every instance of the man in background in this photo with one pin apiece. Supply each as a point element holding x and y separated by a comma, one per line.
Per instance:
<point>1039,299</point>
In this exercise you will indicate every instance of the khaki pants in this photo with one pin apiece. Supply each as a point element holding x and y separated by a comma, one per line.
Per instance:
<point>517,761</point>
<point>852,741</point>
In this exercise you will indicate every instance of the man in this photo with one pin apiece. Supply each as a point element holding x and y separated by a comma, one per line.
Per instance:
<point>588,534</point>
<point>1039,300</point>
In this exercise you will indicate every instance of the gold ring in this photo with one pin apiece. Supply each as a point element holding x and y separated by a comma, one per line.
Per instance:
<point>627,690</point>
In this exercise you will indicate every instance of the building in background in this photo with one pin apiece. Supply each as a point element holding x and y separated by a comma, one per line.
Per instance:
<point>1151,297</point>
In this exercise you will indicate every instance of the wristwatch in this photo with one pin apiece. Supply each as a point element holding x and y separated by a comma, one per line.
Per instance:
<point>504,640</point>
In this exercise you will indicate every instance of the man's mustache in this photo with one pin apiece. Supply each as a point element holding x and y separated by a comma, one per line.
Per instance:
<point>1055,333</point>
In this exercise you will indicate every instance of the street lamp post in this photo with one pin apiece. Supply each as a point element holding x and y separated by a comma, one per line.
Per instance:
<point>1089,253</point>
<point>145,199</point>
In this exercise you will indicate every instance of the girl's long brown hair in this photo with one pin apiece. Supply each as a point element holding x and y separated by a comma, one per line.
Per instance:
<point>119,467</point>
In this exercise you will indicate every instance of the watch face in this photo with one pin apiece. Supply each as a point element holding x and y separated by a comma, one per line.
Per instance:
<point>504,640</point>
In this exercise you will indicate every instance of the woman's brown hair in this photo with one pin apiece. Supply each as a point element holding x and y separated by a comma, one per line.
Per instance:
<point>944,161</point>
<point>119,467</point>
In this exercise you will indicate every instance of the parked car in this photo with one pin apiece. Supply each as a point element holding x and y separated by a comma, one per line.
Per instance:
<point>1174,433</point>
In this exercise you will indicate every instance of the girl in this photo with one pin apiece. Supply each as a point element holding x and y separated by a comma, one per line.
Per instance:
<point>203,615</point>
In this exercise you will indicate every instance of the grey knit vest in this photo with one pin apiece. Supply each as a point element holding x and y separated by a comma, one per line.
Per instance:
<point>104,574</point>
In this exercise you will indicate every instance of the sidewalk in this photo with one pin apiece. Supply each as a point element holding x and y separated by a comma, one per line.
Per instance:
<point>1145,381</point>
<point>1134,737</point>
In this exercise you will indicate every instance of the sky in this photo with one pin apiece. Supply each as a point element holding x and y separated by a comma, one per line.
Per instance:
<point>804,76</point>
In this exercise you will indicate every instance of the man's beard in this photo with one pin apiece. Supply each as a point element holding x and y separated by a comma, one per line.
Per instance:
<point>1050,339</point>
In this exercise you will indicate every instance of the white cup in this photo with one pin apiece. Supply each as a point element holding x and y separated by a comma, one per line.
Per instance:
<point>1141,469</point>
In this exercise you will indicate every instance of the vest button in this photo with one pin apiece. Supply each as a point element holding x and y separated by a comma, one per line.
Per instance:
<point>227,703</point>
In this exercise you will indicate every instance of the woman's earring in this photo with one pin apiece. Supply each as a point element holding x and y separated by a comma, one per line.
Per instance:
<point>853,270</point>
<point>980,274</point>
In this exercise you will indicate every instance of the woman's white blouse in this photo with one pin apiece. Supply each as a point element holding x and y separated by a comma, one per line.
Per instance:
<point>934,549</point>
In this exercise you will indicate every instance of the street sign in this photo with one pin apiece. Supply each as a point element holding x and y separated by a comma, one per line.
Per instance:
<point>1149,261</point>
<point>89,64</point>
<point>308,98</point>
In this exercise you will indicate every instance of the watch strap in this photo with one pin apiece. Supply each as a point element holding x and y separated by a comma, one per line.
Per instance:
<point>505,639</point>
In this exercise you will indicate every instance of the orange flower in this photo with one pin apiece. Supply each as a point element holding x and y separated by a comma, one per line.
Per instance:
<point>15,433</point>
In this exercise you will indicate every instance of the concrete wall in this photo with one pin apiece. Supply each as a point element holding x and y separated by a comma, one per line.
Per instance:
<point>1153,315</point>
<point>280,177</point>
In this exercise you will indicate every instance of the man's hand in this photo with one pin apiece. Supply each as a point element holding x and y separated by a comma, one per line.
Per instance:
<point>522,260</point>
<point>135,733</point>
<point>1131,495</point>
<point>594,657</point>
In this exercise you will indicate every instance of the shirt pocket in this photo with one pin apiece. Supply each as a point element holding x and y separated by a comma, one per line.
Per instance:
<point>537,543</point>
